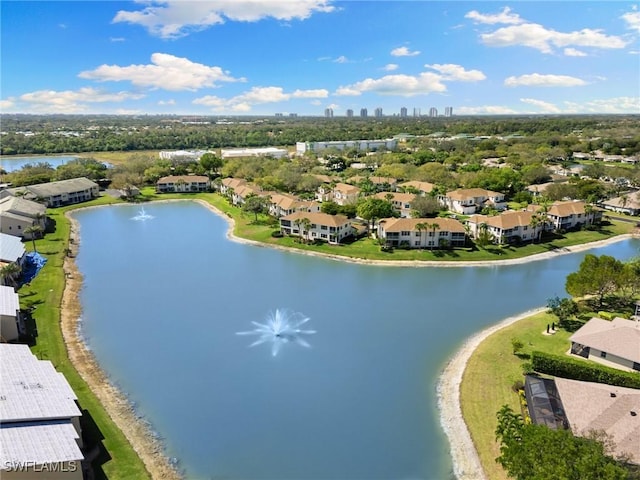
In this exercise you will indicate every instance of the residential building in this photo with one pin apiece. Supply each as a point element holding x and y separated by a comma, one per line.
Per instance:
<point>183,155</point>
<point>363,112</point>
<point>40,419</point>
<point>417,112</point>
<point>183,184</point>
<point>421,232</point>
<point>471,200</point>
<point>254,152</point>
<point>403,112</point>
<point>341,193</point>
<point>9,314</point>
<point>539,189</point>
<point>572,214</point>
<point>401,201</point>
<point>378,112</point>
<point>349,113</point>
<point>18,214</point>
<point>513,226</point>
<point>433,112</point>
<point>57,194</point>
<point>281,204</point>
<point>629,203</point>
<point>229,185</point>
<point>615,343</point>
<point>241,193</point>
<point>321,226</point>
<point>448,111</point>
<point>328,112</point>
<point>12,249</point>
<point>423,188</point>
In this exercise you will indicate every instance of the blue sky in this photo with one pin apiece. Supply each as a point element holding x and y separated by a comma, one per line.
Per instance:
<point>260,57</point>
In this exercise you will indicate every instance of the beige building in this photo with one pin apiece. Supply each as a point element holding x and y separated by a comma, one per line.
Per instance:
<point>342,194</point>
<point>57,194</point>
<point>423,188</point>
<point>230,184</point>
<point>321,226</point>
<point>401,201</point>
<point>183,184</point>
<point>572,214</point>
<point>421,232</point>
<point>9,314</point>
<point>40,436</point>
<point>17,214</point>
<point>613,343</point>
<point>281,204</point>
<point>629,203</point>
<point>468,201</point>
<point>513,226</point>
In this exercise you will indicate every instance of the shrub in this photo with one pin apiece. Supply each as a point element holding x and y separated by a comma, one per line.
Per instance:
<point>277,234</point>
<point>559,366</point>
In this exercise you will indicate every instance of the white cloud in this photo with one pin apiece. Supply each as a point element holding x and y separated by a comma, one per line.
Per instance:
<point>538,80</point>
<point>546,107</point>
<point>71,101</point>
<point>256,96</point>
<point>485,110</point>
<point>545,40</point>
<point>608,105</point>
<point>404,52</point>
<point>411,85</point>
<point>341,59</point>
<point>633,20</point>
<point>165,71</point>
<point>390,67</point>
<point>572,52</point>
<point>454,72</point>
<point>177,18</point>
<point>167,102</point>
<point>503,17</point>
<point>116,39</point>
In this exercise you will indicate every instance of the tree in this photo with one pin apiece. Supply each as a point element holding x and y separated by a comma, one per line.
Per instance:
<point>423,206</point>
<point>563,308</point>
<point>9,273</point>
<point>536,452</point>
<point>422,227</point>
<point>597,276</point>
<point>484,237</point>
<point>305,228</point>
<point>211,162</point>
<point>254,204</point>
<point>433,226</point>
<point>516,345</point>
<point>330,208</point>
<point>372,208</point>
<point>33,231</point>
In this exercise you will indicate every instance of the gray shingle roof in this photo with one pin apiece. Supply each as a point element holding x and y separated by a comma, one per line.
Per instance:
<point>11,248</point>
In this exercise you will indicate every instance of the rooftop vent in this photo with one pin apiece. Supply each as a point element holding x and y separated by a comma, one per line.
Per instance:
<point>633,414</point>
<point>613,395</point>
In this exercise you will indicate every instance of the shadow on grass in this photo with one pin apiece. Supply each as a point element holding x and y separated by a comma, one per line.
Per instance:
<point>94,450</point>
<point>523,356</point>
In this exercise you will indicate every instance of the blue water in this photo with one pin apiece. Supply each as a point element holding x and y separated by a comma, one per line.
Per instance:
<point>164,298</point>
<point>11,164</point>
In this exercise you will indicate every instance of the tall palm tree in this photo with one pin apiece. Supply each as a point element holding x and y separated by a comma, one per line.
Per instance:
<point>33,231</point>
<point>433,226</point>
<point>535,225</point>
<point>422,227</point>
<point>306,228</point>
<point>9,273</point>
<point>588,213</point>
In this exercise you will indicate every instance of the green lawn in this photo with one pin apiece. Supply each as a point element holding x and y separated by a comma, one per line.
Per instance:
<point>490,374</point>
<point>44,294</point>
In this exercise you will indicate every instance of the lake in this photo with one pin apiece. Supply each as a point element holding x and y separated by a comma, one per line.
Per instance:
<point>11,164</point>
<point>164,298</point>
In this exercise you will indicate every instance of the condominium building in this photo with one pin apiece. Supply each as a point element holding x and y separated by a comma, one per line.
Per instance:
<point>363,112</point>
<point>378,112</point>
<point>448,111</point>
<point>433,112</point>
<point>403,112</point>
<point>328,112</point>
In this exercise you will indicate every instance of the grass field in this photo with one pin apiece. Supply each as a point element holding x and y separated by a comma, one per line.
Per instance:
<point>490,374</point>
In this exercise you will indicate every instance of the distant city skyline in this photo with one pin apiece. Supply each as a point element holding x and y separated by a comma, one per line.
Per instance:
<point>241,57</point>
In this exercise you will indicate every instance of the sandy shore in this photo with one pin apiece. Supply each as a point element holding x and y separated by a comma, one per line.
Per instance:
<point>467,465</point>
<point>114,402</point>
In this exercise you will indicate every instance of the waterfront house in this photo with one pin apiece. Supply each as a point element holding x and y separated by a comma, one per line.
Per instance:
<point>421,232</point>
<point>57,194</point>
<point>629,203</point>
<point>341,193</point>
<point>320,226</point>
<point>615,343</point>
<point>40,419</point>
<point>572,214</point>
<point>12,249</point>
<point>513,226</point>
<point>9,314</point>
<point>183,184</point>
<point>229,185</point>
<point>401,201</point>
<point>240,194</point>
<point>281,204</point>
<point>17,214</point>
<point>468,201</point>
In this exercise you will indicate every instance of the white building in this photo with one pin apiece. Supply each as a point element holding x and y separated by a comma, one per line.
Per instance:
<point>18,214</point>
<point>40,437</point>
<point>184,155</point>
<point>254,152</point>
<point>360,145</point>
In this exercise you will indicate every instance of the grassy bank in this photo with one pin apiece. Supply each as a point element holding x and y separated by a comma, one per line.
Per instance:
<point>490,374</point>
<point>44,294</point>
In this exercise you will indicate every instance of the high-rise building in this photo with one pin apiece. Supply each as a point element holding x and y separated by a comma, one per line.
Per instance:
<point>279,115</point>
<point>378,112</point>
<point>448,111</point>
<point>416,112</point>
<point>363,112</point>
<point>433,112</point>
<point>349,113</point>
<point>328,112</point>
<point>403,112</point>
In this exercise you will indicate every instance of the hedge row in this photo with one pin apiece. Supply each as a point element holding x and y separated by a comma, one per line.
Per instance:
<point>565,367</point>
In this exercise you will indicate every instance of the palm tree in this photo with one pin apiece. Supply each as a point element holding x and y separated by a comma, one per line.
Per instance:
<point>422,227</point>
<point>306,227</point>
<point>8,274</point>
<point>535,224</point>
<point>484,235</point>
<point>433,226</point>
<point>33,231</point>
<point>588,213</point>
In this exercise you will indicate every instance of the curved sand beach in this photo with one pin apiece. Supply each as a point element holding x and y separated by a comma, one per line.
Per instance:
<point>465,460</point>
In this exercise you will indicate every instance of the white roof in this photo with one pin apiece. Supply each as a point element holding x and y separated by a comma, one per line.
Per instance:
<point>38,442</point>
<point>619,337</point>
<point>9,301</point>
<point>11,248</point>
<point>31,389</point>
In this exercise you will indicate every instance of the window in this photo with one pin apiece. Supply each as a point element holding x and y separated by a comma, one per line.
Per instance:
<point>405,233</point>
<point>323,235</point>
<point>603,354</point>
<point>418,234</point>
<point>417,243</point>
<point>323,227</point>
<point>442,234</point>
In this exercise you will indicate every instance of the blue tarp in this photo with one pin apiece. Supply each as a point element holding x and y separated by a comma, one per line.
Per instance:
<point>33,262</point>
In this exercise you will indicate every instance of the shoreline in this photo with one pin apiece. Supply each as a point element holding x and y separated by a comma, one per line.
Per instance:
<point>151,451</point>
<point>138,433</point>
<point>464,456</point>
